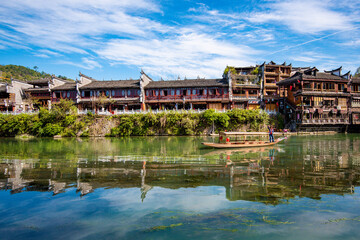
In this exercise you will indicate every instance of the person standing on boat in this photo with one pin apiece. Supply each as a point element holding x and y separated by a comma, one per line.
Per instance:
<point>271,134</point>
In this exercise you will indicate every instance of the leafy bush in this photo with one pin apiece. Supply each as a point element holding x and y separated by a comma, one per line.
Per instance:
<point>63,120</point>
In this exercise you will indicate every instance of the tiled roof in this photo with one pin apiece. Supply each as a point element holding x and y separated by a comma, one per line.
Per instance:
<point>39,81</point>
<point>45,89</point>
<point>2,88</point>
<point>66,86</point>
<point>319,76</point>
<point>112,84</point>
<point>355,80</point>
<point>188,83</point>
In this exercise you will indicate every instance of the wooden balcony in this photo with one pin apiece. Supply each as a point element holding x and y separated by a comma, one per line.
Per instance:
<point>244,96</point>
<point>187,98</point>
<point>332,121</point>
<point>356,121</point>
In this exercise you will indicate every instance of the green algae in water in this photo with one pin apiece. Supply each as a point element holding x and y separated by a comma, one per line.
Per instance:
<point>275,222</point>
<point>337,220</point>
<point>161,228</point>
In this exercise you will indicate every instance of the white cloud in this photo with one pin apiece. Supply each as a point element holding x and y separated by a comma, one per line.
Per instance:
<point>204,14</point>
<point>304,16</point>
<point>353,43</point>
<point>70,26</point>
<point>310,57</point>
<point>87,63</point>
<point>44,53</point>
<point>188,54</point>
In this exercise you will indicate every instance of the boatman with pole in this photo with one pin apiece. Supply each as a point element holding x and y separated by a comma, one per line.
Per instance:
<point>271,134</point>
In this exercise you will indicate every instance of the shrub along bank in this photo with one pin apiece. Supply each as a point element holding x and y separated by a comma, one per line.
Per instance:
<point>63,120</point>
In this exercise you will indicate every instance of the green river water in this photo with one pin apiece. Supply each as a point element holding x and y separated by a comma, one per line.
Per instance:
<point>173,188</point>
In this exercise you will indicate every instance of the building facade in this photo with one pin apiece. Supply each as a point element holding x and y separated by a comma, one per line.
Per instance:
<point>316,98</point>
<point>188,94</point>
<point>355,100</point>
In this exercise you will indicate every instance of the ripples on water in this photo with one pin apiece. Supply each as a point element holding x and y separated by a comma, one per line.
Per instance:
<point>171,187</point>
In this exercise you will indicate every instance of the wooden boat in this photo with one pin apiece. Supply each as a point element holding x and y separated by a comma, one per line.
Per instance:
<point>232,151</point>
<point>243,144</point>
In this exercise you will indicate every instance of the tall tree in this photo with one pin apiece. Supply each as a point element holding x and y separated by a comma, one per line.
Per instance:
<point>357,73</point>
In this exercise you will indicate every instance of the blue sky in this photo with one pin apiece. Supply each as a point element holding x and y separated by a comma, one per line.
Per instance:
<point>114,39</point>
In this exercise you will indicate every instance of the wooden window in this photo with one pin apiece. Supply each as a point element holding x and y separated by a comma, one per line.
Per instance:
<point>188,92</point>
<point>172,92</point>
<point>178,92</point>
<point>342,102</point>
<point>194,91</point>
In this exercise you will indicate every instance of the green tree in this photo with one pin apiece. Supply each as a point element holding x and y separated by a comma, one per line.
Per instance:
<point>229,68</point>
<point>357,73</point>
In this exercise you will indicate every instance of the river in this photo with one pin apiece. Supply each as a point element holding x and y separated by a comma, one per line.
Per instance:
<point>173,188</point>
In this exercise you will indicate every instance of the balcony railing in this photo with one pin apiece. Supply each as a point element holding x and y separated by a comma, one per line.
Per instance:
<point>191,97</point>
<point>326,121</point>
<point>243,96</point>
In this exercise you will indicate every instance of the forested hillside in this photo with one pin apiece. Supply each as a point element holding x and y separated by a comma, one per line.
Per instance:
<point>22,73</point>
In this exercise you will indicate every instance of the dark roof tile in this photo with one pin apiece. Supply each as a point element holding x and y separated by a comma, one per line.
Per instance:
<point>355,80</point>
<point>319,76</point>
<point>45,89</point>
<point>43,81</point>
<point>2,88</point>
<point>188,83</point>
<point>112,84</point>
<point>66,86</point>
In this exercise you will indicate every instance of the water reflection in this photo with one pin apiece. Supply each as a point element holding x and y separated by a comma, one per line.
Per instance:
<point>302,166</point>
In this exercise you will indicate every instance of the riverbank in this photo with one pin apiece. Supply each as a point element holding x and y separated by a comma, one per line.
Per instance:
<point>63,121</point>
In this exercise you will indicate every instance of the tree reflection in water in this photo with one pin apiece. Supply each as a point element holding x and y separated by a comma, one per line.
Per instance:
<point>302,166</point>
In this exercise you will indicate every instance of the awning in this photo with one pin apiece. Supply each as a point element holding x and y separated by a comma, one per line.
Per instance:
<point>253,102</point>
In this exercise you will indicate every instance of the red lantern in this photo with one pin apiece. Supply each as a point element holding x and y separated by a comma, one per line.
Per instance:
<point>290,88</point>
<point>277,104</point>
<point>298,81</point>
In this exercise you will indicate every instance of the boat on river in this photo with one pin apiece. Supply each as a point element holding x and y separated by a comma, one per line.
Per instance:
<point>243,144</point>
<point>240,143</point>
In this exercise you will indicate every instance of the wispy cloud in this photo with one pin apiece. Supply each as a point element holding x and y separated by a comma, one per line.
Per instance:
<point>311,57</point>
<point>352,43</point>
<point>199,41</point>
<point>187,54</point>
<point>86,63</point>
<point>303,16</point>
<point>70,26</point>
